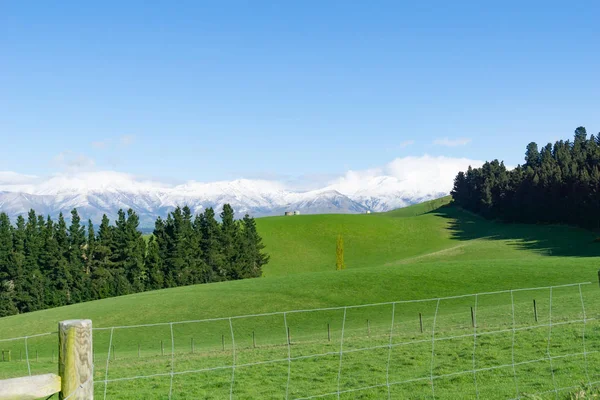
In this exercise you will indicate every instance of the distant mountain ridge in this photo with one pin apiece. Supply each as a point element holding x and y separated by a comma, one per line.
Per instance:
<point>98,193</point>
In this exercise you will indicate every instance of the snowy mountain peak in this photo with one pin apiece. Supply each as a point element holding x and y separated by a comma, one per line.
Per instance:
<point>400,183</point>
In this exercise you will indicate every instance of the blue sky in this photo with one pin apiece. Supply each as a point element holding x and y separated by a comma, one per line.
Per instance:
<point>222,90</point>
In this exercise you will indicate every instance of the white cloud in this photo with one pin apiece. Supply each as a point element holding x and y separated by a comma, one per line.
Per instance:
<point>451,142</point>
<point>417,175</point>
<point>407,143</point>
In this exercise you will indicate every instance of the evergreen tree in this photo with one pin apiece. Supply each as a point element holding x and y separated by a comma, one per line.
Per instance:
<point>209,243</point>
<point>62,236</point>
<point>162,242</point>
<point>251,248</point>
<point>204,273</point>
<point>31,297</point>
<point>120,252</point>
<point>134,248</point>
<point>55,268</point>
<point>532,155</point>
<point>154,266</point>
<point>101,278</point>
<point>77,242</point>
<point>191,251</point>
<point>18,285</point>
<point>227,241</point>
<point>90,247</point>
<point>7,268</point>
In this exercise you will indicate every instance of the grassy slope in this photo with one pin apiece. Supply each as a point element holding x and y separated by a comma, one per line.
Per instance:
<point>405,254</point>
<point>397,256</point>
<point>307,243</point>
<point>400,257</point>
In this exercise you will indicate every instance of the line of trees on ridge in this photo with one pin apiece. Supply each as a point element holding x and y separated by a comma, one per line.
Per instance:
<point>558,184</point>
<point>46,263</point>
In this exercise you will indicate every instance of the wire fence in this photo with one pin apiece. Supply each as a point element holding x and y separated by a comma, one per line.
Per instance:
<point>377,349</point>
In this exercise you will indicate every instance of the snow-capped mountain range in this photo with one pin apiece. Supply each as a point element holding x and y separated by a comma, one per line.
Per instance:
<point>98,193</point>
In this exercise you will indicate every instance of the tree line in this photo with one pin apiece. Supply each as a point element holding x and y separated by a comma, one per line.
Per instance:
<point>559,183</point>
<point>46,263</point>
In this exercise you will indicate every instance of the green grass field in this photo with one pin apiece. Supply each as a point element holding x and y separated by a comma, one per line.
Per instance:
<point>412,253</point>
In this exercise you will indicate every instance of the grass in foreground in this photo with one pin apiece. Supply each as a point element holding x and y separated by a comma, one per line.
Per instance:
<point>558,351</point>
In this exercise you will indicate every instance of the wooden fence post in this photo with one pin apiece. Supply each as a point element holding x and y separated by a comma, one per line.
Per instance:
<point>421,322</point>
<point>75,365</point>
<point>535,311</point>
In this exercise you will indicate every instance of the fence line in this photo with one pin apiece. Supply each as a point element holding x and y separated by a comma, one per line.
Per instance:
<point>270,314</point>
<point>388,384</point>
<point>307,310</point>
<point>433,339</point>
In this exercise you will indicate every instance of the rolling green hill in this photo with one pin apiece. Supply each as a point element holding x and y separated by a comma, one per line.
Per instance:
<point>306,243</point>
<point>424,251</point>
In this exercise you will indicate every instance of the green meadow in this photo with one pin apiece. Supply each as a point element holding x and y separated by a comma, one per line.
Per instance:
<point>428,251</point>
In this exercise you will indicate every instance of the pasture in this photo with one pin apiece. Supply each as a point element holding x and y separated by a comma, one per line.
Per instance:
<point>408,254</point>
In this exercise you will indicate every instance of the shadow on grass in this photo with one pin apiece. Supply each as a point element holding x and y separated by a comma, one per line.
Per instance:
<point>550,240</point>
